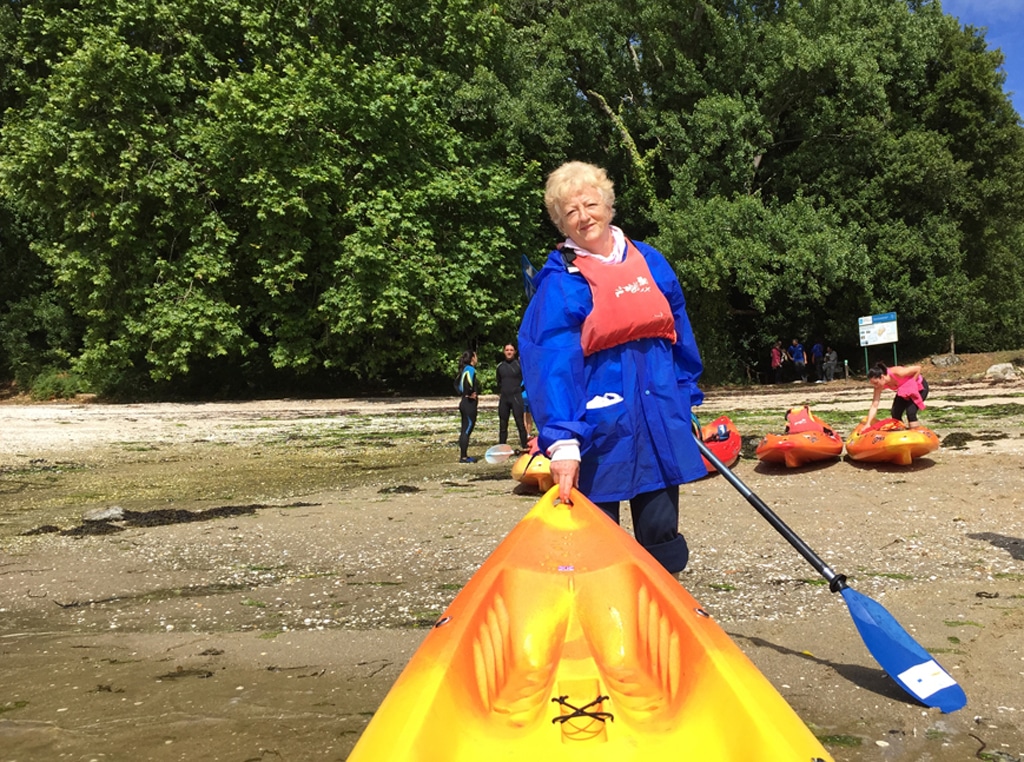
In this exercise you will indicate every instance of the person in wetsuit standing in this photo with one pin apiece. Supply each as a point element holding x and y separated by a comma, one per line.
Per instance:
<point>469,387</point>
<point>510,396</point>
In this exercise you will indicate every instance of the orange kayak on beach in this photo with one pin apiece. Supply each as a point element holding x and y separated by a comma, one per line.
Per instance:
<point>890,441</point>
<point>807,439</point>
<point>572,644</point>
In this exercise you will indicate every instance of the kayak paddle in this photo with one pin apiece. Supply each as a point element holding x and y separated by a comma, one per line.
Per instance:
<point>902,657</point>
<point>499,453</point>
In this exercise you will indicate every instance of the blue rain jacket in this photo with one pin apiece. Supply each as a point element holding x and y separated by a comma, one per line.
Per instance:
<point>641,443</point>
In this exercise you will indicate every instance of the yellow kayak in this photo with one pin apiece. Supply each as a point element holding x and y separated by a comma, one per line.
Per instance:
<point>571,643</point>
<point>890,441</point>
<point>533,468</point>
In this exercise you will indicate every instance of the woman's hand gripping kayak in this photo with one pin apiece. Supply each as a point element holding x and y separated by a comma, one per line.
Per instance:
<point>566,474</point>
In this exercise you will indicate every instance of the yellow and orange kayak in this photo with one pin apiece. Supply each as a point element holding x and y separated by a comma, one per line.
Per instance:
<point>725,449</point>
<point>807,439</point>
<point>572,644</point>
<point>533,468</point>
<point>890,441</point>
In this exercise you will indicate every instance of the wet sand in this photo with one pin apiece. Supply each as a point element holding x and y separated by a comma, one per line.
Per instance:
<point>282,560</point>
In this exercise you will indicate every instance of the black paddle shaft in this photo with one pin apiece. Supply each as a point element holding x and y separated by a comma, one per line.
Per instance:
<point>836,582</point>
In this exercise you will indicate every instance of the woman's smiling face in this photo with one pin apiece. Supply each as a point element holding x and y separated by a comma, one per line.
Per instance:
<point>586,219</point>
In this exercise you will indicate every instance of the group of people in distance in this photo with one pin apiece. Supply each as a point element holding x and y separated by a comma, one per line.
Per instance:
<point>824,360</point>
<point>611,366</point>
<point>511,400</point>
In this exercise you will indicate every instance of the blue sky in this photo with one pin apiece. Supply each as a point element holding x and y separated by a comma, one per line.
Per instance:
<point>1004,23</point>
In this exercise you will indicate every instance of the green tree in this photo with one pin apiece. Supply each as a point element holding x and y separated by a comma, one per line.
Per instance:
<point>232,195</point>
<point>217,181</point>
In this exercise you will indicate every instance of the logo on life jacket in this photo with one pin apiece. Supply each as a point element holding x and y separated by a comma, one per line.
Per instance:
<point>641,285</point>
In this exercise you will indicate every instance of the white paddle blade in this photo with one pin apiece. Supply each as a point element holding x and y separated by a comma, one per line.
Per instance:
<point>499,453</point>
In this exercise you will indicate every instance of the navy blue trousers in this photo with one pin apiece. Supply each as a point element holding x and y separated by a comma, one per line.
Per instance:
<point>656,526</point>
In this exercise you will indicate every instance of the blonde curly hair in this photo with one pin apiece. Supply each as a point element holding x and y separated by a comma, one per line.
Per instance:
<point>571,178</point>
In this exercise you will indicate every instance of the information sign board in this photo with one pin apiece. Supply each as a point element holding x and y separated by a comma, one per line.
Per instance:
<point>878,329</point>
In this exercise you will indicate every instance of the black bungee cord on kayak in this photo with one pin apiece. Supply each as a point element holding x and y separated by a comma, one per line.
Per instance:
<point>581,711</point>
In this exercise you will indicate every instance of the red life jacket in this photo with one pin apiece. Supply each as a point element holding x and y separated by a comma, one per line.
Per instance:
<point>628,304</point>
<point>801,419</point>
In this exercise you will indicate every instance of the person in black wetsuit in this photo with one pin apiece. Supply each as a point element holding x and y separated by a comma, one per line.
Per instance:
<point>469,387</point>
<point>510,396</point>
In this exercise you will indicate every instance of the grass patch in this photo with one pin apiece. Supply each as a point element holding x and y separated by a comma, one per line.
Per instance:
<point>10,706</point>
<point>423,619</point>
<point>889,575</point>
<point>448,587</point>
<point>385,583</point>
<point>40,466</point>
<point>254,603</point>
<point>370,431</point>
<point>754,424</point>
<point>843,741</point>
<point>962,623</point>
<point>723,586</point>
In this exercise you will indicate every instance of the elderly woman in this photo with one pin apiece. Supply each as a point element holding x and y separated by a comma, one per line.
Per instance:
<point>611,365</point>
<point>910,387</point>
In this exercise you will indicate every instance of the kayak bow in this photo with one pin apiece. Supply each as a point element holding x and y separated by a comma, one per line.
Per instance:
<point>572,644</point>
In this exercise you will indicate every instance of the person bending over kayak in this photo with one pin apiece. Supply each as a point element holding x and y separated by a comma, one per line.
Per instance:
<point>910,387</point>
<point>611,364</point>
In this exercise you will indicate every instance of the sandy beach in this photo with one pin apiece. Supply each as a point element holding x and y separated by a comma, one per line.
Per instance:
<point>271,566</point>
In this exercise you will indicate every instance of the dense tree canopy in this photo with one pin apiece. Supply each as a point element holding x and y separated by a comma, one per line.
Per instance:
<point>221,196</point>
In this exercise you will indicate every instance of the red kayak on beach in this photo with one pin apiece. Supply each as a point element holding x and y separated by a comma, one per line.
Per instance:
<point>724,440</point>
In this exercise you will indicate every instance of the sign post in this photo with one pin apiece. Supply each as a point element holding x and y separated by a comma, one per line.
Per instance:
<point>878,329</point>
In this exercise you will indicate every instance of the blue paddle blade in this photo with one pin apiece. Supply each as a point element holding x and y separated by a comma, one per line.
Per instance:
<point>902,657</point>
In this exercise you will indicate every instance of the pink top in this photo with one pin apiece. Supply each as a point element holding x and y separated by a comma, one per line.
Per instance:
<point>911,390</point>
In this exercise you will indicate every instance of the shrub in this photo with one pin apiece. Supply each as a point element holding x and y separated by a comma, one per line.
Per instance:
<point>55,384</point>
